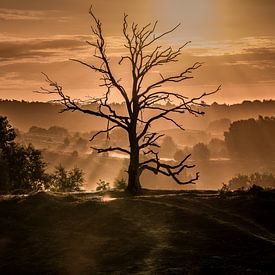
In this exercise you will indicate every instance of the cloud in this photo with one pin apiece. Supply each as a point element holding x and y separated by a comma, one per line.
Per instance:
<point>57,48</point>
<point>47,49</point>
<point>31,15</point>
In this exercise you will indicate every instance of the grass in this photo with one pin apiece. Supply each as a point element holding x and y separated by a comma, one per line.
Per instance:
<point>159,232</point>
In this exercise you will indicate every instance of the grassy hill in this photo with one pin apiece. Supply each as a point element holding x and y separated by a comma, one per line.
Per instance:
<point>157,233</point>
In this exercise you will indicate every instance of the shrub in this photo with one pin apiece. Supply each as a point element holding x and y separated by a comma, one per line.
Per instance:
<point>246,182</point>
<point>120,184</point>
<point>102,185</point>
<point>224,190</point>
<point>255,188</point>
<point>238,182</point>
<point>66,181</point>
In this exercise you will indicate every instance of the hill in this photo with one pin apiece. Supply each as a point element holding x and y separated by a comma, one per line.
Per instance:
<point>157,233</point>
<point>24,114</point>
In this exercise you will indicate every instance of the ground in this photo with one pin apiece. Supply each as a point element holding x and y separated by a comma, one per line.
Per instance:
<point>156,233</point>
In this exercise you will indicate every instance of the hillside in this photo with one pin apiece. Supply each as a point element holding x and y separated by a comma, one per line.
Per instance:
<point>24,114</point>
<point>157,233</point>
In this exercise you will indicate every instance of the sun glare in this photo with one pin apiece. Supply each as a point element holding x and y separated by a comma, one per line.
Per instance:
<point>107,198</point>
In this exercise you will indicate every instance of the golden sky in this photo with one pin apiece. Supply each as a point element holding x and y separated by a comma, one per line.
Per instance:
<point>234,38</point>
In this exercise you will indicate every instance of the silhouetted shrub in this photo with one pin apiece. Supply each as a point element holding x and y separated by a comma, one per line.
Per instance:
<point>120,184</point>
<point>246,182</point>
<point>224,190</point>
<point>255,189</point>
<point>66,181</point>
<point>238,182</point>
<point>102,185</point>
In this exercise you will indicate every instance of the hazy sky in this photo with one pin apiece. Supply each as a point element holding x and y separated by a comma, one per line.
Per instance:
<point>234,38</point>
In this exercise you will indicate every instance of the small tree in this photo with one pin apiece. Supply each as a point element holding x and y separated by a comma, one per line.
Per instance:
<point>144,104</point>
<point>66,181</point>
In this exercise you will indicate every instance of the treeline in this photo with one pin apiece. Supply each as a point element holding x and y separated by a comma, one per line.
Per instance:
<point>24,114</point>
<point>252,138</point>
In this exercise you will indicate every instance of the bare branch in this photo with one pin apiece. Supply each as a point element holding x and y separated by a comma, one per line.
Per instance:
<point>111,149</point>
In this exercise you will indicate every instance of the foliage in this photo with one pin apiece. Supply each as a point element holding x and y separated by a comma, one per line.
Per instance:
<point>217,148</point>
<point>102,185</point>
<point>168,147</point>
<point>26,168</point>
<point>224,190</point>
<point>66,181</point>
<point>21,167</point>
<point>219,125</point>
<point>120,184</point>
<point>201,152</point>
<point>7,133</point>
<point>252,139</point>
<point>256,179</point>
<point>255,188</point>
<point>238,182</point>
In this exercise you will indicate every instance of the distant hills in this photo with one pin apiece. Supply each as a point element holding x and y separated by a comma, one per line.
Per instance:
<point>23,115</point>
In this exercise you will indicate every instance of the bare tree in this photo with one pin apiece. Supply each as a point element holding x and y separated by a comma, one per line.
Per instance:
<point>144,104</point>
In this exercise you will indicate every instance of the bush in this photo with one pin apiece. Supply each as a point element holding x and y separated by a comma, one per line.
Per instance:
<point>239,182</point>
<point>224,190</point>
<point>66,181</point>
<point>255,188</point>
<point>103,186</point>
<point>120,184</point>
<point>246,182</point>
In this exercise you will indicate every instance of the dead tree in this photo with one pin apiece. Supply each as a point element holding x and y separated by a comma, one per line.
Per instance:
<point>143,56</point>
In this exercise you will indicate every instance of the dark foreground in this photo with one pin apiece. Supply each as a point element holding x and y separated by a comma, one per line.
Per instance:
<point>169,234</point>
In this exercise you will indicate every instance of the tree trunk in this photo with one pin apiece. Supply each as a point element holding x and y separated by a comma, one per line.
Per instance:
<point>134,186</point>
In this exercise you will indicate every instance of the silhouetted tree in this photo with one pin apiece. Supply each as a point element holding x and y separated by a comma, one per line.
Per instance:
<point>201,152</point>
<point>217,148</point>
<point>252,139</point>
<point>144,103</point>
<point>7,133</point>
<point>20,167</point>
<point>167,147</point>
